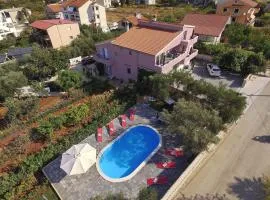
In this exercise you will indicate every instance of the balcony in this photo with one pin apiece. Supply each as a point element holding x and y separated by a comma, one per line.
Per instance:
<point>193,54</point>
<point>102,59</point>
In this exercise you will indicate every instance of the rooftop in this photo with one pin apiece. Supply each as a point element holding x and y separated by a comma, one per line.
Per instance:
<point>149,38</point>
<point>45,24</point>
<point>55,7</point>
<point>210,24</point>
<point>75,3</point>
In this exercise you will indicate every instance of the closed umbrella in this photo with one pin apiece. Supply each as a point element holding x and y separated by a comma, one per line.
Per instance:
<point>78,159</point>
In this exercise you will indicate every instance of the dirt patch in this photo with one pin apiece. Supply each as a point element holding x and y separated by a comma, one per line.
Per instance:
<point>49,102</point>
<point>3,112</point>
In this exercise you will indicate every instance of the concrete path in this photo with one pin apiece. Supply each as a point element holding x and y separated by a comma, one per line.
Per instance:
<point>239,162</point>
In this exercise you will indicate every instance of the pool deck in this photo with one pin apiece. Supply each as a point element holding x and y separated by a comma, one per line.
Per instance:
<point>91,184</point>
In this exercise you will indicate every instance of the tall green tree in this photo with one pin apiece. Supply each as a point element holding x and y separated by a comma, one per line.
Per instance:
<point>68,79</point>
<point>197,125</point>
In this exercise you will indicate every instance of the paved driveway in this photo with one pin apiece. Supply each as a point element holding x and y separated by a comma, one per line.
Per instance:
<point>239,162</point>
<point>233,81</point>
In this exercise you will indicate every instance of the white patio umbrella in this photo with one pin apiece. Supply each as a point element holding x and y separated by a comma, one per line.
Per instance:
<point>78,159</point>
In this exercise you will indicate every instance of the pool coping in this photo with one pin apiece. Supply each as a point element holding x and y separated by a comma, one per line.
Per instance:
<point>139,167</point>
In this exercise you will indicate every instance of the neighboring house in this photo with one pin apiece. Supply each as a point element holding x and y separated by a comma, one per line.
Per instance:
<point>130,21</point>
<point>85,12</point>
<point>105,3</point>
<point>55,33</point>
<point>241,11</point>
<point>54,11</point>
<point>15,54</point>
<point>209,27</point>
<point>153,46</point>
<point>13,21</point>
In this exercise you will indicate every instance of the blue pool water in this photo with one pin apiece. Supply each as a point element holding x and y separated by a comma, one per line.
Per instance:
<point>124,155</point>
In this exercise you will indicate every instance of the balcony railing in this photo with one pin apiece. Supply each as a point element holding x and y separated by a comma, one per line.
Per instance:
<point>101,58</point>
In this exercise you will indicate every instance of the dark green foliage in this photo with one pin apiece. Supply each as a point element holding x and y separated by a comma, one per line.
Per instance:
<point>19,109</point>
<point>228,103</point>
<point>44,131</point>
<point>96,85</point>
<point>57,122</point>
<point>197,125</point>
<point>148,193</point>
<point>11,78</point>
<point>68,79</point>
<point>44,63</point>
<point>76,114</point>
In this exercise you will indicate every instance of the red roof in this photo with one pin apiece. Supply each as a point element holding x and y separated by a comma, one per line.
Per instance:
<point>45,24</point>
<point>211,24</point>
<point>75,3</point>
<point>55,7</point>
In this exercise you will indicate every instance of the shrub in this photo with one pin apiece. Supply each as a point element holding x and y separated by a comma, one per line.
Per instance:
<point>148,193</point>
<point>44,131</point>
<point>76,114</point>
<point>57,122</point>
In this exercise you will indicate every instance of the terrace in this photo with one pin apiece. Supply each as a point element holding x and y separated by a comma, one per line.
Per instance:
<point>92,184</point>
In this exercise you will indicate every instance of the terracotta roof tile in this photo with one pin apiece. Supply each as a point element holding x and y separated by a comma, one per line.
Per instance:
<point>55,7</point>
<point>45,24</point>
<point>211,24</point>
<point>75,3</point>
<point>146,40</point>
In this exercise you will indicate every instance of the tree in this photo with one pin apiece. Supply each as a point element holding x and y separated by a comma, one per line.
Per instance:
<point>44,63</point>
<point>10,79</point>
<point>237,34</point>
<point>266,187</point>
<point>148,193</point>
<point>69,79</point>
<point>197,125</point>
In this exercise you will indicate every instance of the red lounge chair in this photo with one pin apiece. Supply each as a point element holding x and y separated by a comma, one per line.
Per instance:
<point>174,152</point>
<point>99,134</point>
<point>166,165</point>
<point>111,128</point>
<point>157,180</point>
<point>132,114</point>
<point>124,121</point>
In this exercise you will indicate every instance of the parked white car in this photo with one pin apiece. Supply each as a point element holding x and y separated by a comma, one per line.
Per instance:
<point>213,70</point>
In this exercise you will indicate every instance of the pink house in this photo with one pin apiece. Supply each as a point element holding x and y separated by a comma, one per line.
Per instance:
<point>153,46</point>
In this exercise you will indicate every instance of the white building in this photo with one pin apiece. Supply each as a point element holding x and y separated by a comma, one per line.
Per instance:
<point>86,12</point>
<point>13,21</point>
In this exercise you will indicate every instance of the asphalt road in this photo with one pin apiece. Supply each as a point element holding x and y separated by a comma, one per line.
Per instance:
<point>239,162</point>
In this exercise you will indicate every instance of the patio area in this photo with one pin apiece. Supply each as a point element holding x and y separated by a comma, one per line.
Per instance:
<point>91,184</point>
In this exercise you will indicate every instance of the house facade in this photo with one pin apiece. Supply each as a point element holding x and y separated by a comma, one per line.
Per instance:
<point>55,33</point>
<point>86,12</point>
<point>209,27</point>
<point>13,21</point>
<point>241,11</point>
<point>152,46</point>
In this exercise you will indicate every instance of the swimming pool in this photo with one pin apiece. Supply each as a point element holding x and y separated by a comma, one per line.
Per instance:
<point>125,156</point>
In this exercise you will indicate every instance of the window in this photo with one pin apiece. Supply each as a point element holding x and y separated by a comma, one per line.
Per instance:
<point>128,70</point>
<point>97,16</point>
<point>96,7</point>
<point>236,10</point>
<point>71,37</point>
<point>233,19</point>
<point>225,10</point>
<point>130,52</point>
